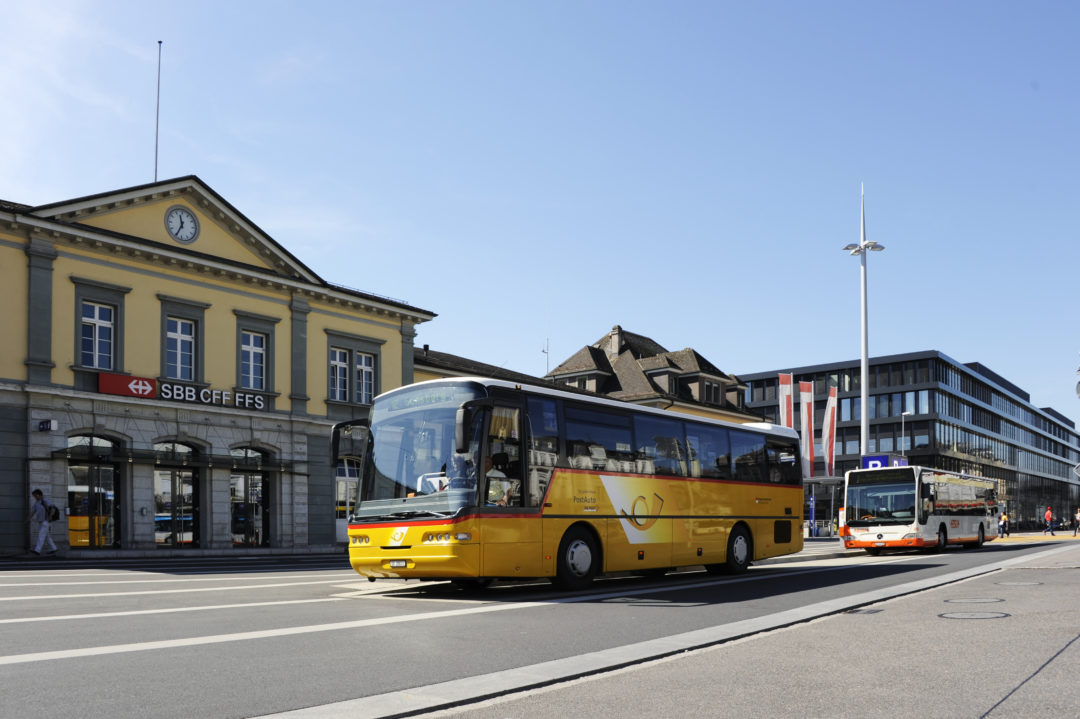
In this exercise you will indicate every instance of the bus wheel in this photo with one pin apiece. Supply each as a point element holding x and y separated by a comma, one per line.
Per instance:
<point>942,540</point>
<point>739,551</point>
<point>978,542</point>
<point>577,560</point>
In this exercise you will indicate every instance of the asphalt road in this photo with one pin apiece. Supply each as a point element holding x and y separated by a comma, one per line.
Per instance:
<point>242,639</point>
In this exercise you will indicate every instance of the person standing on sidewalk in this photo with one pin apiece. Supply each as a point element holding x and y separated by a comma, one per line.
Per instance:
<point>1076,521</point>
<point>39,512</point>
<point>1003,524</point>
<point>1049,522</point>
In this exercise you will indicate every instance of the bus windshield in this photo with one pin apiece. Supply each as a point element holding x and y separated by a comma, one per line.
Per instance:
<point>411,468</point>
<point>881,497</point>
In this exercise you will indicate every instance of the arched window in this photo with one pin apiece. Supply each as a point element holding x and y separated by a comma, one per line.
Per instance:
<point>249,498</point>
<point>93,508</point>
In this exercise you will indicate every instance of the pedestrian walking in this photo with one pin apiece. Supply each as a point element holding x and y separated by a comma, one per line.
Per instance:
<point>1003,524</point>
<point>1076,521</point>
<point>1049,522</point>
<point>39,512</point>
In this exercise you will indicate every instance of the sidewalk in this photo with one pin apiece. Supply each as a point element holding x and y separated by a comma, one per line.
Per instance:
<point>832,547</point>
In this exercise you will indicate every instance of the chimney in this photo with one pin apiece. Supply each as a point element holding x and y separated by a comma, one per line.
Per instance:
<point>615,342</point>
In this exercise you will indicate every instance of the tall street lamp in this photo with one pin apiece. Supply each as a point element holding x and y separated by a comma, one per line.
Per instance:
<point>861,249</point>
<point>903,442</point>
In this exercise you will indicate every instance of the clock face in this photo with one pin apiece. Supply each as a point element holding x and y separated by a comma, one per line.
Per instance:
<point>182,224</point>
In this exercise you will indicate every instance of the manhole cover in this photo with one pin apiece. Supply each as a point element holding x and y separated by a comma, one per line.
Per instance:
<point>974,615</point>
<point>973,601</point>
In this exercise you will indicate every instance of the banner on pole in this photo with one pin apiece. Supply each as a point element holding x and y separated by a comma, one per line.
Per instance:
<point>787,413</point>
<point>828,434</point>
<point>806,410</point>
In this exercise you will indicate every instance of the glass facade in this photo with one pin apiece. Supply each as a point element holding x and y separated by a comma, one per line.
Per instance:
<point>947,415</point>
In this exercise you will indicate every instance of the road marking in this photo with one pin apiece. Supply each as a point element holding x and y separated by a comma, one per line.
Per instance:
<point>99,615</point>
<point>154,581</point>
<point>187,590</point>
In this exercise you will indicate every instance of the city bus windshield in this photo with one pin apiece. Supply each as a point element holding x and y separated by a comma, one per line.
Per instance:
<point>412,469</point>
<point>885,496</point>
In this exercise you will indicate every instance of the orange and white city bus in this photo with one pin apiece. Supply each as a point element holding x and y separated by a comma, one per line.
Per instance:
<point>917,507</point>
<point>477,479</point>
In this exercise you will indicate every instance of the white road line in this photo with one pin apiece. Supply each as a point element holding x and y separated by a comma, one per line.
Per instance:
<point>4,585</point>
<point>99,615</point>
<point>187,590</point>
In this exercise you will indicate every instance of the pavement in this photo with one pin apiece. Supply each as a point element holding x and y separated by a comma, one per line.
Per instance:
<point>825,547</point>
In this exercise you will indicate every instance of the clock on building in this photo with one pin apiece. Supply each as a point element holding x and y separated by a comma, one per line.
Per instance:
<point>182,224</point>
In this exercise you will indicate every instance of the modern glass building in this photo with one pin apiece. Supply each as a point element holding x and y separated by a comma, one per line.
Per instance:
<point>940,413</point>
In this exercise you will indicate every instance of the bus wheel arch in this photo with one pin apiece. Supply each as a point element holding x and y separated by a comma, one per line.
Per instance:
<point>579,558</point>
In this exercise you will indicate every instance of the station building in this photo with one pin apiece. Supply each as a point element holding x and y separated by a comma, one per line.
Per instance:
<point>941,413</point>
<point>170,373</point>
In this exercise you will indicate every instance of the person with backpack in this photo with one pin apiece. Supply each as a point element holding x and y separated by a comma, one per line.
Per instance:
<point>44,513</point>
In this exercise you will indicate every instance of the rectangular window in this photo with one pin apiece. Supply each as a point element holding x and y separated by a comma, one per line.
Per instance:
<point>252,360</point>
<point>596,439</point>
<point>659,446</point>
<point>712,393</point>
<point>339,374</point>
<point>365,378</point>
<point>180,349</point>
<point>710,451</point>
<point>748,451</point>
<point>97,335</point>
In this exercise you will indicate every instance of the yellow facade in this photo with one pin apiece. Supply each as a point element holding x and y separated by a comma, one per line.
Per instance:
<point>100,288</point>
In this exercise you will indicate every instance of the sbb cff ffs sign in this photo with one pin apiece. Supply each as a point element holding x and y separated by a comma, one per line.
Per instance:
<point>148,388</point>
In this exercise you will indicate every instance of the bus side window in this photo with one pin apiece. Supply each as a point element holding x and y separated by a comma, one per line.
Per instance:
<point>503,465</point>
<point>748,451</point>
<point>543,423</point>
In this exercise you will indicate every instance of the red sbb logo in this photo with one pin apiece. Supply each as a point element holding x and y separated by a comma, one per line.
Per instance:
<point>127,385</point>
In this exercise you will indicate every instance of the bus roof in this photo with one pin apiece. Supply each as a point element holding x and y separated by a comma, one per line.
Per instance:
<point>590,398</point>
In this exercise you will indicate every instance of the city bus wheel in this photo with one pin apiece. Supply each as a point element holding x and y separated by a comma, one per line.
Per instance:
<point>978,542</point>
<point>942,540</point>
<point>577,559</point>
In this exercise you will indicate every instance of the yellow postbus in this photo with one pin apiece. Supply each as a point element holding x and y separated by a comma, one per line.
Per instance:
<point>474,479</point>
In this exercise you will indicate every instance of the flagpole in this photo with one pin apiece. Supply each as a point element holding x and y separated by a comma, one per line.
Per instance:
<point>157,109</point>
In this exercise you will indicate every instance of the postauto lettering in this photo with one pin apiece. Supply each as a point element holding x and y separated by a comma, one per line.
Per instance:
<point>224,397</point>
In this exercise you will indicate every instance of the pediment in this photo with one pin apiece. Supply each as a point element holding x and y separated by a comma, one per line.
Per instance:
<point>138,214</point>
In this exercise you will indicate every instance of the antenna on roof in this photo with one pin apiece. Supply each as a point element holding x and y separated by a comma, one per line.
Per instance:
<point>157,110</point>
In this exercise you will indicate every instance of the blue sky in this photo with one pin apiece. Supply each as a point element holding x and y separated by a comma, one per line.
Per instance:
<point>537,172</point>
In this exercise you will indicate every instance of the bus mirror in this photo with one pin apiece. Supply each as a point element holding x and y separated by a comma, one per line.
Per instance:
<point>348,439</point>
<point>461,438</point>
<point>463,423</point>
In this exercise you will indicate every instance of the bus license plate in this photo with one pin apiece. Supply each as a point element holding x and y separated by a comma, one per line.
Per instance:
<point>876,544</point>
<point>398,564</point>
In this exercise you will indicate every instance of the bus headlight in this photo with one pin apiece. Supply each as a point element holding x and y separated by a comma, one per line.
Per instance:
<point>359,539</point>
<point>910,536</point>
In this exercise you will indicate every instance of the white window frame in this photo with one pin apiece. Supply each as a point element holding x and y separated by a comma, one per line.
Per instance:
<point>98,359</point>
